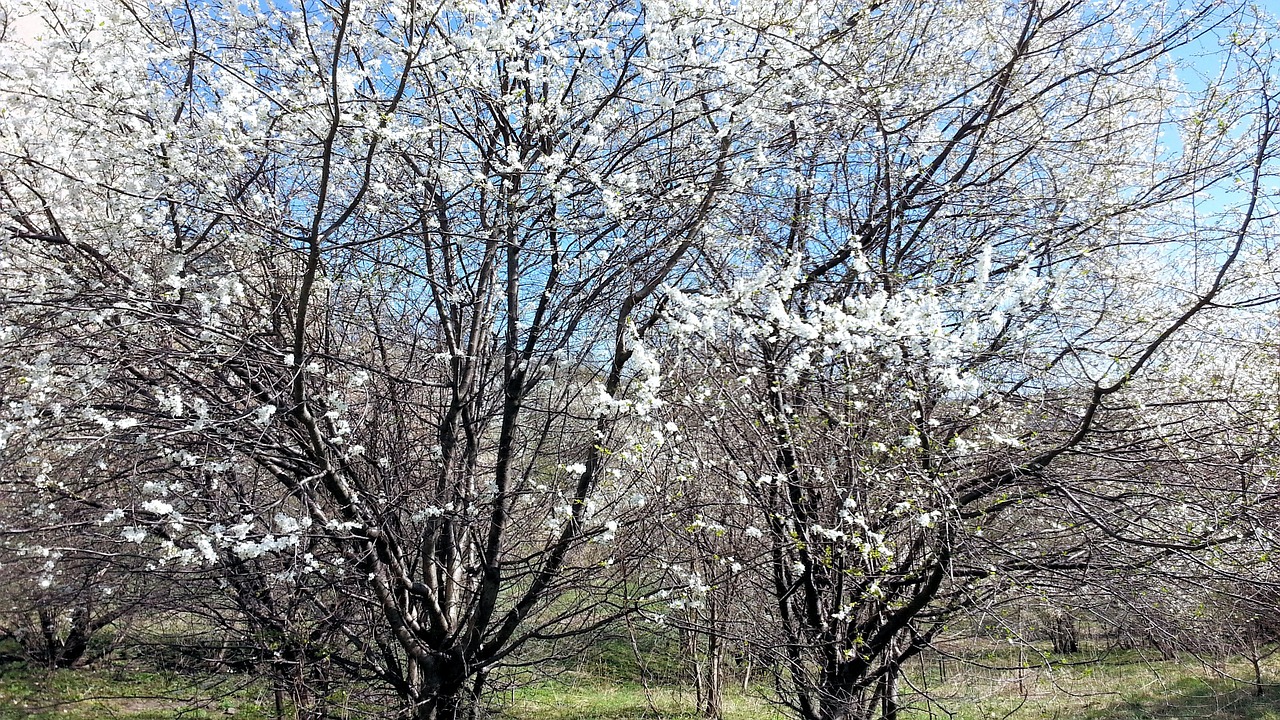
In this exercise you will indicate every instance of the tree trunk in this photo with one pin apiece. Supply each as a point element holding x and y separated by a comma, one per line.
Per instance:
<point>839,702</point>
<point>444,694</point>
<point>279,697</point>
<point>889,694</point>
<point>1255,659</point>
<point>49,631</point>
<point>1066,639</point>
<point>690,638</point>
<point>1166,649</point>
<point>843,710</point>
<point>64,652</point>
<point>477,690</point>
<point>713,701</point>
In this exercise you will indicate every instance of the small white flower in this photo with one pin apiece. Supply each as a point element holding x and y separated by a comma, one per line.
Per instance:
<point>286,524</point>
<point>427,513</point>
<point>206,549</point>
<point>263,415</point>
<point>159,507</point>
<point>576,469</point>
<point>151,487</point>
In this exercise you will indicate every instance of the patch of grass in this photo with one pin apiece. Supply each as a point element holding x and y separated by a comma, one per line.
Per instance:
<point>615,658</point>
<point>1139,689</point>
<point>1198,698</point>
<point>585,697</point>
<point>640,653</point>
<point>1105,690</point>
<point>121,694</point>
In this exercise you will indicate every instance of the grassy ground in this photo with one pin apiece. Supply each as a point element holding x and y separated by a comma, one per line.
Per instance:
<point>1134,689</point>
<point>1131,689</point>
<point>585,698</point>
<point>124,694</point>
<point>1098,691</point>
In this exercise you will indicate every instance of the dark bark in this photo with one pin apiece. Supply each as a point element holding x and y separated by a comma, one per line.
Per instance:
<point>64,651</point>
<point>1066,638</point>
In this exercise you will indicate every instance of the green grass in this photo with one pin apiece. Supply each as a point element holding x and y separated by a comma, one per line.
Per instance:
<point>1103,690</point>
<point>1122,687</point>
<point>1132,689</point>
<point>588,698</point>
<point>123,694</point>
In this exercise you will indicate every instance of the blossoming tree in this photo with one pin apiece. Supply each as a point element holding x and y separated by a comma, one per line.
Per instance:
<point>384,315</point>
<point>928,387</point>
<point>346,297</point>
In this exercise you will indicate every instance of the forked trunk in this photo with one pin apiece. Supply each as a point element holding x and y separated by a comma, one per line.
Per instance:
<point>446,695</point>
<point>64,652</point>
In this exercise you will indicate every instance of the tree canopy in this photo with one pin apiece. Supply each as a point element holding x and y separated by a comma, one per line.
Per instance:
<point>416,336</point>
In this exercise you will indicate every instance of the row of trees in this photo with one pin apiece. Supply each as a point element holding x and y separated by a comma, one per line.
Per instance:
<point>411,340</point>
